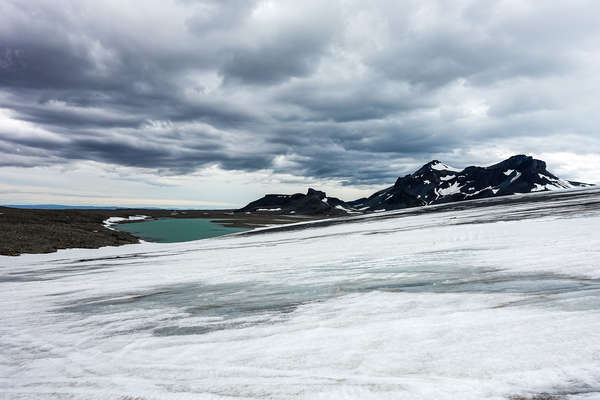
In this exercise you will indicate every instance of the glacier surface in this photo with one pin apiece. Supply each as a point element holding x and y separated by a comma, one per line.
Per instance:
<point>486,300</point>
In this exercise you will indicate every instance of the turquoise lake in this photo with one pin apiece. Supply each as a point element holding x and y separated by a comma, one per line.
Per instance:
<point>172,230</point>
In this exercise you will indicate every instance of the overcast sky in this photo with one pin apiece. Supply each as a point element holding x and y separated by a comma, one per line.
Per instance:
<point>212,103</point>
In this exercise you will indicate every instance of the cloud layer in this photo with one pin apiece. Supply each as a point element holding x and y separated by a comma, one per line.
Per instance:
<point>352,91</point>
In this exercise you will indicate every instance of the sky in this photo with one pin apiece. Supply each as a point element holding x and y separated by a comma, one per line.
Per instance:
<point>213,103</point>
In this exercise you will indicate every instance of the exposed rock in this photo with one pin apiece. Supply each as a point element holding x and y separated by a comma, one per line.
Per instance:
<point>314,202</point>
<point>436,183</point>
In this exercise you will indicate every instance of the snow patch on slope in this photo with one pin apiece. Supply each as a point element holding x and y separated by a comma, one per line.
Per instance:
<point>453,189</point>
<point>439,166</point>
<point>514,178</point>
<point>447,177</point>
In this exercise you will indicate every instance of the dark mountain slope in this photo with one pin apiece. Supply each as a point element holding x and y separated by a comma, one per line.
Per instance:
<point>436,183</point>
<point>433,183</point>
<point>314,202</point>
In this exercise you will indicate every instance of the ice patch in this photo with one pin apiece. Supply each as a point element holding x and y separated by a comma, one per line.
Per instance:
<point>514,178</point>
<point>479,191</point>
<point>556,183</point>
<point>268,209</point>
<point>447,177</point>
<point>508,172</point>
<point>115,220</point>
<point>339,207</point>
<point>453,189</point>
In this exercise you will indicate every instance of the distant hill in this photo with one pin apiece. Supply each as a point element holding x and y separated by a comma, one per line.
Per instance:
<point>66,207</point>
<point>314,202</point>
<point>433,183</point>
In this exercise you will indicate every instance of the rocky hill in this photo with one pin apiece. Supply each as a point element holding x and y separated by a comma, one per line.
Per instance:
<point>434,183</point>
<point>314,202</point>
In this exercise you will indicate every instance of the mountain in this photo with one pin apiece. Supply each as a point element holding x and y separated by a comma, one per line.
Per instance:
<point>436,183</point>
<point>314,202</point>
<point>433,183</point>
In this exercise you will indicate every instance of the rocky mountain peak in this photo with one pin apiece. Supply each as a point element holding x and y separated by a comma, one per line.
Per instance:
<point>437,182</point>
<point>520,162</point>
<point>316,193</point>
<point>314,202</point>
<point>433,166</point>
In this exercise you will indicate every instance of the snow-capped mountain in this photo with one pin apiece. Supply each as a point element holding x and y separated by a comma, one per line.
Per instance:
<point>433,183</point>
<point>437,182</point>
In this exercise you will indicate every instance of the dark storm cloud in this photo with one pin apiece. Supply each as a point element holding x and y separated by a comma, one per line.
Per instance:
<point>295,53</point>
<point>350,91</point>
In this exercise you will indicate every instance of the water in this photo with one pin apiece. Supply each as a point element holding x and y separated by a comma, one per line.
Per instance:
<point>172,230</point>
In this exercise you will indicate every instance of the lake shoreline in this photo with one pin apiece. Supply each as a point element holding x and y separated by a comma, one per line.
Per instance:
<point>36,231</point>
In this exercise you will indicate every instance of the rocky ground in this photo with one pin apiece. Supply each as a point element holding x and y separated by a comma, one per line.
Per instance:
<point>45,231</point>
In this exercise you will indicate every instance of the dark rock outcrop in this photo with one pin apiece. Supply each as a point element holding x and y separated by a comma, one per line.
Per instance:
<point>314,202</point>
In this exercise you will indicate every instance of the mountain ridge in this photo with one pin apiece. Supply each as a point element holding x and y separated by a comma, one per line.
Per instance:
<point>433,183</point>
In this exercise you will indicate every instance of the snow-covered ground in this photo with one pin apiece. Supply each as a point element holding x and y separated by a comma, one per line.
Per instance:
<point>483,303</point>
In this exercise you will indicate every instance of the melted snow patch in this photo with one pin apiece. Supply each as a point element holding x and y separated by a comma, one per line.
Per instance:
<point>115,220</point>
<point>549,186</point>
<point>339,207</point>
<point>514,178</point>
<point>479,191</point>
<point>557,183</point>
